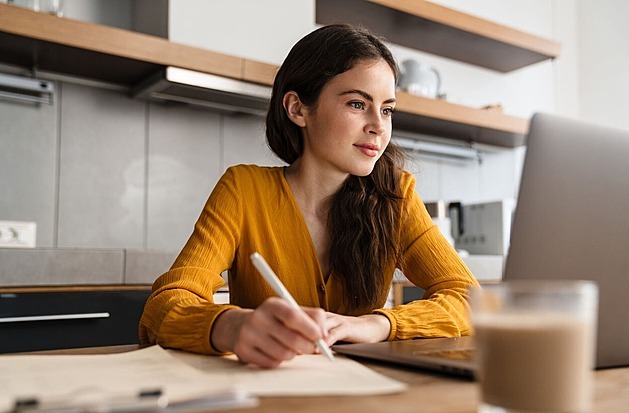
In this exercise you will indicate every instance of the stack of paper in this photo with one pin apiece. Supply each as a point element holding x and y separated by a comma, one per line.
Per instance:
<point>154,378</point>
<point>143,379</point>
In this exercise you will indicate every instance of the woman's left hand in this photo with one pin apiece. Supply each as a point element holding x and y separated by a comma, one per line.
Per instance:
<point>368,328</point>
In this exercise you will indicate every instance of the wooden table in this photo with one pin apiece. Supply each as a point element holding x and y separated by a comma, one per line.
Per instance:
<point>426,393</point>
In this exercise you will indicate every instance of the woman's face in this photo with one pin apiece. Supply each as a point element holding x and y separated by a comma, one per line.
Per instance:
<point>350,127</point>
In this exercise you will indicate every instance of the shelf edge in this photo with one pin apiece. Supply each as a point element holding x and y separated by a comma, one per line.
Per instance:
<point>476,25</point>
<point>116,42</point>
<point>443,110</point>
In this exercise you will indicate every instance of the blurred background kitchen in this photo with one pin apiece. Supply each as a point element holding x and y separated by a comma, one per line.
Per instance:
<point>106,188</point>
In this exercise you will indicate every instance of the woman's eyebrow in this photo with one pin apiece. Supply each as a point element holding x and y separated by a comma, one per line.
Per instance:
<point>364,94</point>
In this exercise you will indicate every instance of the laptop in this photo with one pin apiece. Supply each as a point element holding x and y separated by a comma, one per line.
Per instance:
<point>569,223</point>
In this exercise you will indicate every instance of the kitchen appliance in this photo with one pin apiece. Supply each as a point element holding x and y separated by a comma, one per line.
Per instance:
<point>440,216</point>
<point>483,253</point>
<point>204,89</point>
<point>419,79</point>
<point>484,228</point>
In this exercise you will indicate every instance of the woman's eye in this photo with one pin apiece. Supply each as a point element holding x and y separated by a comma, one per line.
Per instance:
<point>388,111</point>
<point>357,105</point>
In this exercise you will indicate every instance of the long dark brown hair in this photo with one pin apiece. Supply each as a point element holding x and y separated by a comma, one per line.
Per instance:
<point>365,212</point>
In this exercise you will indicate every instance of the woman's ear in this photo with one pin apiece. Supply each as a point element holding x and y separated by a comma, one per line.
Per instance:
<point>295,110</point>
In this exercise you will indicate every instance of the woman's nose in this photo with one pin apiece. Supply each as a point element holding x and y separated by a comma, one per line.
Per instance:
<point>376,124</point>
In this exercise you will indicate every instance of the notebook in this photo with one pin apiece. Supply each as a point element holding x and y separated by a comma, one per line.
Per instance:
<point>569,223</point>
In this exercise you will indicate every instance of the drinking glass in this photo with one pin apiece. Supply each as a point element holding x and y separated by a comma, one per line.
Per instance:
<point>535,345</point>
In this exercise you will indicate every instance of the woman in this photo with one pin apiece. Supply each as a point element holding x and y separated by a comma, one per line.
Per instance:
<point>333,224</point>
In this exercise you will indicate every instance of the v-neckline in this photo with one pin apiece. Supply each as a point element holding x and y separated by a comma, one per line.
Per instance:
<point>304,226</point>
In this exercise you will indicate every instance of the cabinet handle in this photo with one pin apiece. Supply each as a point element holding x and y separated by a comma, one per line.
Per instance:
<point>53,317</point>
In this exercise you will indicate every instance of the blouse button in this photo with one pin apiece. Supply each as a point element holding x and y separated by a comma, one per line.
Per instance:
<point>322,288</point>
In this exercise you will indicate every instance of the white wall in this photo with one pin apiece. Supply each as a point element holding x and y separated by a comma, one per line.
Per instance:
<point>603,59</point>
<point>260,30</point>
<point>566,73</point>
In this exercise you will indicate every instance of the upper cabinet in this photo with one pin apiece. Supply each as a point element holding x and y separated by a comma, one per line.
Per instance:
<point>35,40</point>
<point>442,31</point>
<point>94,51</point>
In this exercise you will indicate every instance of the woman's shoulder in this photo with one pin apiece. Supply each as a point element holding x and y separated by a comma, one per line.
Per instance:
<point>253,173</point>
<point>252,178</point>
<point>407,182</point>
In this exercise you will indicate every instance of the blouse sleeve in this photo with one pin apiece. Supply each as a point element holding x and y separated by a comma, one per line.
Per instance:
<point>181,311</point>
<point>431,263</point>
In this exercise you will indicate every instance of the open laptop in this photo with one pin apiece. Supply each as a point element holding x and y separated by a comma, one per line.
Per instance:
<point>569,223</point>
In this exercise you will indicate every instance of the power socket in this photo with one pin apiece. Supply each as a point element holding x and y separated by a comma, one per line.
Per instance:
<point>17,234</point>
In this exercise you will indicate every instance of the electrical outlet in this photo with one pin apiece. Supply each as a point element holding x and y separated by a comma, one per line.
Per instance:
<point>17,234</point>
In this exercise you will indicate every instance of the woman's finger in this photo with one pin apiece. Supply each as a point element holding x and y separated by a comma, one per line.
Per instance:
<point>299,320</point>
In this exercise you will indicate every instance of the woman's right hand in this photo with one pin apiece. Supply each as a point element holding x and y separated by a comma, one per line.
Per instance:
<point>270,334</point>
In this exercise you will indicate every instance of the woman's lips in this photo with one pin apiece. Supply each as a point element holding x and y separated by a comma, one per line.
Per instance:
<point>368,149</point>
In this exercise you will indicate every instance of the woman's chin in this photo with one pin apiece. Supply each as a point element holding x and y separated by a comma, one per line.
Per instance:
<point>363,170</point>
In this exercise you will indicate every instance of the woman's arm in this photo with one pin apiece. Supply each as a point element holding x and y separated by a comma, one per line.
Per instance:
<point>443,311</point>
<point>431,263</point>
<point>180,312</point>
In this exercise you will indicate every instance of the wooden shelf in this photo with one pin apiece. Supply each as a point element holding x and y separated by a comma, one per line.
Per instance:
<point>32,39</point>
<point>442,31</point>
<point>449,120</point>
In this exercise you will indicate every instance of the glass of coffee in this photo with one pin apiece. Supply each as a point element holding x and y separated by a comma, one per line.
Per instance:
<point>535,345</point>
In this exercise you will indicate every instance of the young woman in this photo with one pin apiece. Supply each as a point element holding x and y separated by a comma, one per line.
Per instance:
<point>333,224</point>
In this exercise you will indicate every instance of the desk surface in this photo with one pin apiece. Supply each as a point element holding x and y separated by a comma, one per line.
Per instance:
<point>426,392</point>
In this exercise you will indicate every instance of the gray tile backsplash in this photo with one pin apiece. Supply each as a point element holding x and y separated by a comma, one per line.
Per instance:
<point>28,153</point>
<point>184,154</point>
<point>115,185</point>
<point>102,169</point>
<point>245,141</point>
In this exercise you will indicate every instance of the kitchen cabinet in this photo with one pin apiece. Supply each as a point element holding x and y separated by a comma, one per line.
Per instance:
<point>45,42</point>
<point>37,318</point>
<point>442,31</point>
<point>49,43</point>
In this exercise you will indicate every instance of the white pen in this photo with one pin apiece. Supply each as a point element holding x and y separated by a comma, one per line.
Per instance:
<point>278,287</point>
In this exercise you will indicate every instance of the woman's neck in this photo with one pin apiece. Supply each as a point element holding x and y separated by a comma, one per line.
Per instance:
<point>313,188</point>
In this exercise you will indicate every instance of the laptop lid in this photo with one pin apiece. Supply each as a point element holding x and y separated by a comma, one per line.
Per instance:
<point>570,221</point>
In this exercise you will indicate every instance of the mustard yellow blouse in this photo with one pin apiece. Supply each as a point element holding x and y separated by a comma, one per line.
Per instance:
<point>252,209</point>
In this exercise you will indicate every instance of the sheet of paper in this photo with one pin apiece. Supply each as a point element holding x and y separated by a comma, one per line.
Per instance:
<point>306,375</point>
<point>180,376</point>
<point>67,377</point>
